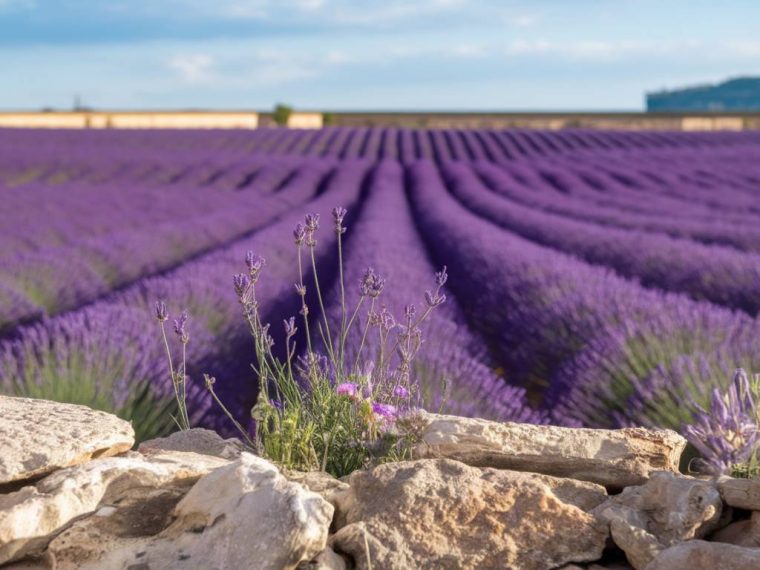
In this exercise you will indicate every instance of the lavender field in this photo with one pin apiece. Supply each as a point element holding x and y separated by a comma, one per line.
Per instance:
<point>595,278</point>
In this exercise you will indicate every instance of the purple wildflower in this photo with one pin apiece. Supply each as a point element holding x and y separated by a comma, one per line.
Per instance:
<point>385,411</point>
<point>161,313</point>
<point>299,234</point>
<point>255,264</point>
<point>371,285</point>
<point>179,327</point>
<point>347,389</point>
<point>400,392</point>
<point>433,299</point>
<point>241,282</point>
<point>312,222</point>
<point>290,327</point>
<point>441,277</point>
<point>338,215</point>
<point>727,433</point>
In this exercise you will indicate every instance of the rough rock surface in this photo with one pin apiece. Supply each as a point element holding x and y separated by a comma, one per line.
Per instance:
<point>740,493</point>
<point>444,514</point>
<point>30,516</point>
<point>196,440</point>
<point>741,533</point>
<point>40,436</point>
<point>667,509</point>
<point>614,458</point>
<point>319,482</point>
<point>242,515</point>
<point>703,555</point>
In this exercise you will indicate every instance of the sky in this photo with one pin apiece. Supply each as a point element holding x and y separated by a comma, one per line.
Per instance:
<point>457,55</point>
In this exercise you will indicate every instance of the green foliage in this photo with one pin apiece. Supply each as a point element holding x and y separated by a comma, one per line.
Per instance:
<point>330,412</point>
<point>281,114</point>
<point>328,119</point>
<point>94,382</point>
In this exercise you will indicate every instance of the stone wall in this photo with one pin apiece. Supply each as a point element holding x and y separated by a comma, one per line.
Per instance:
<point>475,495</point>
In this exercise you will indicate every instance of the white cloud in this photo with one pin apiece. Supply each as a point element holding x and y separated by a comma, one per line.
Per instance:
<point>193,68</point>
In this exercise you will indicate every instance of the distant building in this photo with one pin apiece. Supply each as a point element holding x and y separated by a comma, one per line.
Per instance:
<point>740,94</point>
<point>132,119</point>
<point>305,120</point>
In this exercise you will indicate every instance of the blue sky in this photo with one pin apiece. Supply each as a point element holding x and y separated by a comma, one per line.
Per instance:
<point>384,54</point>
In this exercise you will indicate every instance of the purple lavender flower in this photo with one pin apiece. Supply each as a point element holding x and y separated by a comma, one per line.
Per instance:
<point>161,313</point>
<point>441,277</point>
<point>400,392</point>
<point>290,327</point>
<point>312,222</point>
<point>179,328</point>
<point>255,264</point>
<point>727,433</point>
<point>433,299</point>
<point>338,215</point>
<point>241,282</point>
<point>385,411</point>
<point>299,234</point>
<point>349,389</point>
<point>371,285</point>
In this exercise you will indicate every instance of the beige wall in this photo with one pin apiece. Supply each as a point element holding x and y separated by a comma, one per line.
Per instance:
<point>712,124</point>
<point>298,120</point>
<point>170,120</point>
<point>44,120</point>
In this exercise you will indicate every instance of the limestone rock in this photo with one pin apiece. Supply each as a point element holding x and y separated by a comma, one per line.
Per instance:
<point>614,458</point>
<point>243,515</point>
<point>328,559</point>
<point>669,506</point>
<point>40,436</point>
<point>29,517</point>
<point>640,546</point>
<point>444,514</point>
<point>196,440</point>
<point>740,493</point>
<point>703,555</point>
<point>667,509</point>
<point>741,533</point>
<point>318,482</point>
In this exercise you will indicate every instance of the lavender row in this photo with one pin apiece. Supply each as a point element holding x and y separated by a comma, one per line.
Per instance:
<point>366,143</point>
<point>51,352</point>
<point>710,272</point>
<point>716,231</point>
<point>41,215</point>
<point>59,279</point>
<point>383,238</point>
<point>540,309</point>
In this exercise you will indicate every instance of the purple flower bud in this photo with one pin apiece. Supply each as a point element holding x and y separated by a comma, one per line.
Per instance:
<point>371,285</point>
<point>161,313</point>
<point>385,411</point>
<point>347,389</point>
<point>441,277</point>
<point>179,327</point>
<point>410,311</point>
<point>312,222</point>
<point>400,392</point>
<point>299,234</point>
<point>255,264</point>
<point>338,215</point>
<point>290,327</point>
<point>434,299</point>
<point>241,282</point>
<point>726,434</point>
